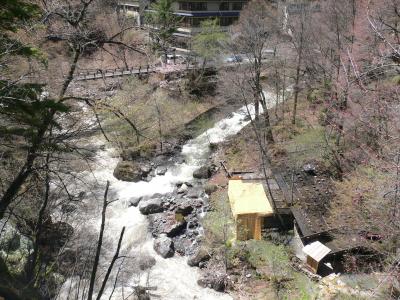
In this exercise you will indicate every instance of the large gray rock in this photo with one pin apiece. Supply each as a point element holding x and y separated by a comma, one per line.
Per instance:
<point>173,225</point>
<point>151,206</point>
<point>161,170</point>
<point>185,208</point>
<point>135,201</point>
<point>201,255</point>
<point>164,246</point>
<point>128,171</point>
<point>168,223</point>
<point>203,173</point>
<point>145,168</point>
<point>183,189</point>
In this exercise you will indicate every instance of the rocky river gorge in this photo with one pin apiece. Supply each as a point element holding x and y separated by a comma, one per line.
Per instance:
<point>157,243</point>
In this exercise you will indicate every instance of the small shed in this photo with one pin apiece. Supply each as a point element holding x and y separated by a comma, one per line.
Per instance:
<point>249,205</point>
<point>315,253</point>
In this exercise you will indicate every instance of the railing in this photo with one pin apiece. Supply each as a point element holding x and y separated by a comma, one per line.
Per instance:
<point>117,72</point>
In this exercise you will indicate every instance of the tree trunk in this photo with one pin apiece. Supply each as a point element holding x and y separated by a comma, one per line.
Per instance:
<point>99,244</point>
<point>114,259</point>
<point>296,90</point>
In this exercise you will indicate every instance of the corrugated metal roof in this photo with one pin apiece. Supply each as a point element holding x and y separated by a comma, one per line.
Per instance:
<point>316,250</point>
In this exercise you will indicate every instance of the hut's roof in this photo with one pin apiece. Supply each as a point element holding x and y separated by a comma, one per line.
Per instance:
<point>316,250</point>
<point>248,197</point>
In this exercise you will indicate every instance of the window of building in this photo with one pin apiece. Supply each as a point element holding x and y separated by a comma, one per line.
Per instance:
<point>237,5</point>
<point>224,6</point>
<point>193,6</point>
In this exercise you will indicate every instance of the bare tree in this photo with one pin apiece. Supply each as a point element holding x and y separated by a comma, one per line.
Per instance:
<point>256,32</point>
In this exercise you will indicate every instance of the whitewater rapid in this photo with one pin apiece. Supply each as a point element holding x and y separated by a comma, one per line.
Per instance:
<point>172,277</point>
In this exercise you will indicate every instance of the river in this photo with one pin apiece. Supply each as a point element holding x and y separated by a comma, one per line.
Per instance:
<point>172,277</point>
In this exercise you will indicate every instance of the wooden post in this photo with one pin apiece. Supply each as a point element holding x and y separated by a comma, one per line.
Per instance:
<point>226,170</point>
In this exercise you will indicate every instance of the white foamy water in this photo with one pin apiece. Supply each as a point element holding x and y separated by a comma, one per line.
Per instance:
<point>173,278</point>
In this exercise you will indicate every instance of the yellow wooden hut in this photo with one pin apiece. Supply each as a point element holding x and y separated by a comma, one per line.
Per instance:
<point>249,205</point>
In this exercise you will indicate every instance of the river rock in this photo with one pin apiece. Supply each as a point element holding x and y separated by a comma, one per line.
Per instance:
<point>168,223</point>
<point>202,173</point>
<point>183,189</point>
<point>185,208</point>
<point>151,206</point>
<point>145,168</point>
<point>164,246</point>
<point>174,225</point>
<point>184,246</point>
<point>128,171</point>
<point>161,170</point>
<point>201,255</point>
<point>135,201</point>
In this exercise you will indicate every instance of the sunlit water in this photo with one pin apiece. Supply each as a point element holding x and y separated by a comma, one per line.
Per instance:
<point>172,277</point>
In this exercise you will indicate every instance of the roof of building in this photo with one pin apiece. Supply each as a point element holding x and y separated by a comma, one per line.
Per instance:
<point>316,250</point>
<point>248,197</point>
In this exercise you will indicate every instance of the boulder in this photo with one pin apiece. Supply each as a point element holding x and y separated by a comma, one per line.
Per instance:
<point>185,208</point>
<point>151,206</point>
<point>168,223</point>
<point>145,169</point>
<point>183,189</point>
<point>128,171</point>
<point>164,246</point>
<point>201,255</point>
<point>210,188</point>
<point>202,173</point>
<point>183,245</point>
<point>135,201</point>
<point>161,170</point>
<point>174,224</point>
